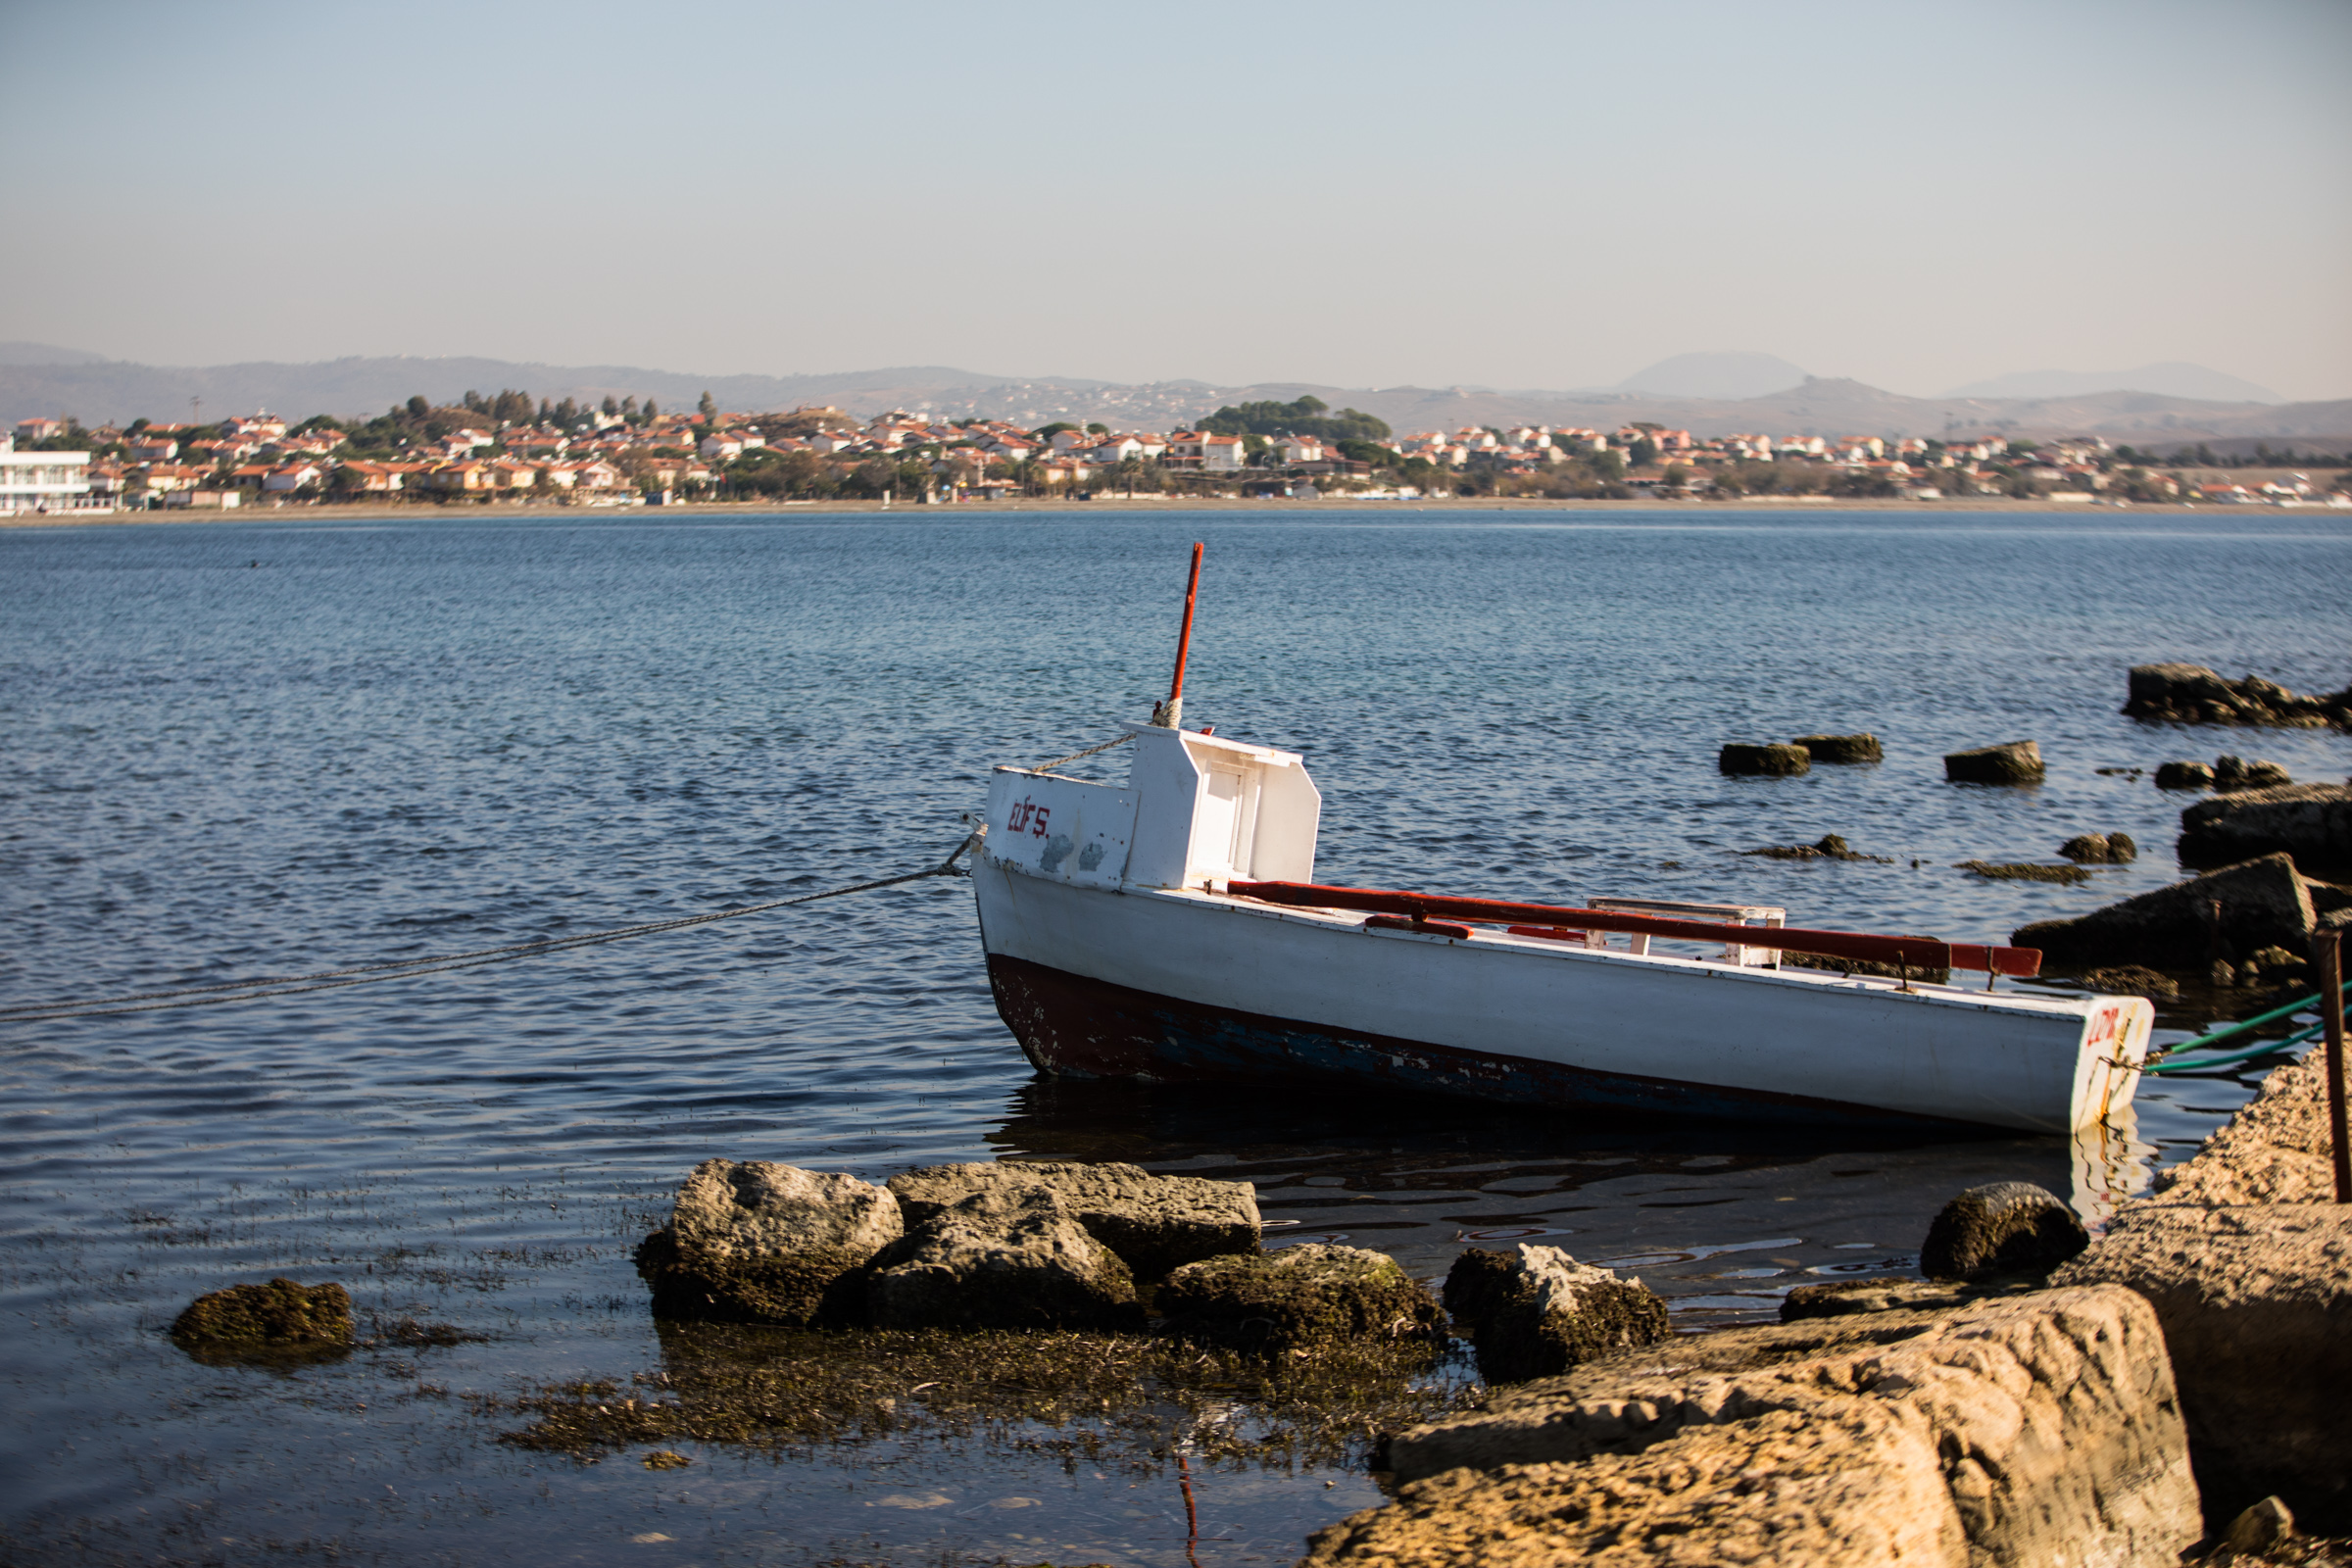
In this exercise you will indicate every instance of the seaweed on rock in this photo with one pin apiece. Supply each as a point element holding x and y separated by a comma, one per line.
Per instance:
<point>1081,1394</point>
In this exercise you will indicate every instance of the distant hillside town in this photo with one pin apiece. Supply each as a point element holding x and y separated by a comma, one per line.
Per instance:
<point>505,449</point>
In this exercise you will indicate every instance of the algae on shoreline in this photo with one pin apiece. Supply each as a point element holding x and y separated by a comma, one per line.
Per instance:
<point>1120,1397</point>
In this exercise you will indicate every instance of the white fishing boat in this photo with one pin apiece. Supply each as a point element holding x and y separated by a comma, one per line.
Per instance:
<point>1171,929</point>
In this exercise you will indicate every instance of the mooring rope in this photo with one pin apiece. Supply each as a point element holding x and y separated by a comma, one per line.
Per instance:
<point>255,988</point>
<point>1048,768</point>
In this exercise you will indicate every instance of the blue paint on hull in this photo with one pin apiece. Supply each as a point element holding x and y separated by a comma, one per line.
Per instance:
<point>1086,1028</point>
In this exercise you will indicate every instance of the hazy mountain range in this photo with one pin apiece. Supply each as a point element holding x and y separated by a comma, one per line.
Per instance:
<point>1710,394</point>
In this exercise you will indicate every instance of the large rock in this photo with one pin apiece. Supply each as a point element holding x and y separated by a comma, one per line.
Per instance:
<point>2249,1264</point>
<point>2264,903</point>
<point>763,1243</point>
<point>2311,822</point>
<point>1859,1490</point>
<point>2274,1151</point>
<point>1002,1259</point>
<point>2256,1304</point>
<point>2002,1228</point>
<point>1537,1312</point>
<point>1154,1223</point>
<point>2192,694</point>
<point>2030,1430</point>
<point>1770,762</point>
<point>282,1315</point>
<point>1844,749</point>
<point>2011,762</point>
<point>1307,1297</point>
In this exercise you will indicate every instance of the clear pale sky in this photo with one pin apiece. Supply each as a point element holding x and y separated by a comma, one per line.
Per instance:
<point>1518,195</point>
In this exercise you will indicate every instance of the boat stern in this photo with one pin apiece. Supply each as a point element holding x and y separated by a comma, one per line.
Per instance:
<point>2115,1041</point>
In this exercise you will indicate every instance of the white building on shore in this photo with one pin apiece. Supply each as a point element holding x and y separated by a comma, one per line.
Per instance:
<point>46,481</point>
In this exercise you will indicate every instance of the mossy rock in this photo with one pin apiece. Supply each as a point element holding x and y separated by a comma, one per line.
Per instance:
<point>2010,763</point>
<point>2023,871</point>
<point>1843,748</point>
<point>1829,847</point>
<point>1303,1298</point>
<point>2238,773</point>
<point>2003,1228</point>
<point>817,1285</point>
<point>1000,1258</point>
<point>2132,980</point>
<point>2100,848</point>
<point>1537,1311</point>
<point>1739,760</point>
<point>281,1316</point>
<point>1480,1281</point>
<point>1154,1223</point>
<point>1868,966</point>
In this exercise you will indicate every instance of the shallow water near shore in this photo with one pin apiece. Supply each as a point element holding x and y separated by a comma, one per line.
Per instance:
<point>237,748</point>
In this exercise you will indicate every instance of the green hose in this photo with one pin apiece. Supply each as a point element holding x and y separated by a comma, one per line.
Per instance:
<point>2266,1047</point>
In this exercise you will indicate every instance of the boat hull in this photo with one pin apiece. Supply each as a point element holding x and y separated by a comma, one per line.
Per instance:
<point>1074,1026</point>
<point>1182,984</point>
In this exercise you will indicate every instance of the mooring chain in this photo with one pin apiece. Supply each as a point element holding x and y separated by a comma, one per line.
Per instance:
<point>250,990</point>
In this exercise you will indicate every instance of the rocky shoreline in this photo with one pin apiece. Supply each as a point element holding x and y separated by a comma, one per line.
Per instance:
<point>2177,1383</point>
<point>2166,1392</point>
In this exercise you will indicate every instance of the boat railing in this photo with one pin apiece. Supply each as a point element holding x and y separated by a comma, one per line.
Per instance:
<point>1770,917</point>
<point>1906,956</point>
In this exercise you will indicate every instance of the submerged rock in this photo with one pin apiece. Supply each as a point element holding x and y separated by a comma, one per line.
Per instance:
<point>1772,761</point>
<point>2130,980</point>
<point>1829,847</point>
<point>764,1243</point>
<point>2263,903</point>
<point>1537,1312</point>
<point>2194,693</point>
<point>1154,1223</point>
<point>2027,1430</point>
<point>1870,966</point>
<point>2311,822</point>
<point>1843,748</point>
<point>2002,1228</point>
<point>2100,848</point>
<point>1002,1259</point>
<point>2011,762</point>
<point>2237,773</point>
<point>282,1315</point>
<point>1299,1299</point>
<point>2025,871</point>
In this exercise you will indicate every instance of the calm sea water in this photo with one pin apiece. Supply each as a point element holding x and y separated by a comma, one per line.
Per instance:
<point>236,749</point>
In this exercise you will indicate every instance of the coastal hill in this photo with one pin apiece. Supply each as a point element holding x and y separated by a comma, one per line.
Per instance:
<point>1714,375</point>
<point>94,390</point>
<point>2173,379</point>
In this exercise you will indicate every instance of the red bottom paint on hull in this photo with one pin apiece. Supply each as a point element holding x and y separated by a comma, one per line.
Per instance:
<point>1084,1028</point>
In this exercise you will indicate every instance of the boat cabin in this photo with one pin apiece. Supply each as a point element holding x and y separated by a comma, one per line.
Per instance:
<point>1196,810</point>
